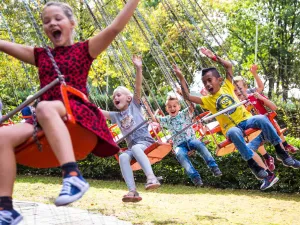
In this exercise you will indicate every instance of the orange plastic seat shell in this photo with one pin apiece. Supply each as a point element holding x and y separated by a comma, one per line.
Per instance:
<point>83,140</point>
<point>227,147</point>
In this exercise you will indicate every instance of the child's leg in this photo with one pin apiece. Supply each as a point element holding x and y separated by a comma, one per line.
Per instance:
<point>254,161</point>
<point>203,151</point>
<point>132,195</point>
<point>206,155</point>
<point>290,148</point>
<point>10,137</point>
<point>142,159</point>
<point>49,115</point>
<point>263,123</point>
<point>269,160</point>
<point>126,170</point>
<point>181,152</point>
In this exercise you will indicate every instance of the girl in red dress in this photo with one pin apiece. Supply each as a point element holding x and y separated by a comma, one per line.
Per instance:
<point>74,61</point>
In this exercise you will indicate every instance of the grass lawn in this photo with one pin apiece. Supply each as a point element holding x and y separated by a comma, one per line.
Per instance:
<point>172,204</point>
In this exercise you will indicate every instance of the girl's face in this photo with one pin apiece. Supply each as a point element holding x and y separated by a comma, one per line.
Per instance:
<point>121,100</point>
<point>57,26</point>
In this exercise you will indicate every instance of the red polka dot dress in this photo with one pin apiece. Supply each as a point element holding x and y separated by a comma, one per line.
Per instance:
<point>74,63</point>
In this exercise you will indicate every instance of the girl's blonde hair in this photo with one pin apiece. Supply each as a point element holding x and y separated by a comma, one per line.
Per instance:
<point>66,8</point>
<point>123,90</point>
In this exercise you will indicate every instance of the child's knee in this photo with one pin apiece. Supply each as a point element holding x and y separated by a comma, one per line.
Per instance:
<point>44,111</point>
<point>124,157</point>
<point>233,133</point>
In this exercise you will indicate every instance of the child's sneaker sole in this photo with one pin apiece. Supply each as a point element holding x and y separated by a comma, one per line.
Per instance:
<point>152,186</point>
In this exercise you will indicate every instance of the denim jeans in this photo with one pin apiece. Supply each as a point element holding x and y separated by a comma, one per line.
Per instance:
<point>182,156</point>
<point>235,134</point>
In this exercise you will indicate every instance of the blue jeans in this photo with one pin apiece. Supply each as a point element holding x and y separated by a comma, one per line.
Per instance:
<point>183,158</point>
<point>261,122</point>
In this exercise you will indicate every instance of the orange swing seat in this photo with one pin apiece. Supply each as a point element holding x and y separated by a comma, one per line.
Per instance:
<point>83,140</point>
<point>155,152</point>
<point>227,147</point>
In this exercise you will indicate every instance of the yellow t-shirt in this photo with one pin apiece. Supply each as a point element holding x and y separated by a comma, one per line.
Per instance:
<point>224,98</point>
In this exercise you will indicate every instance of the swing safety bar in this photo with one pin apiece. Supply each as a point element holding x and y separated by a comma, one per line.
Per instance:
<point>30,100</point>
<point>136,128</point>
<point>223,111</point>
<point>207,118</point>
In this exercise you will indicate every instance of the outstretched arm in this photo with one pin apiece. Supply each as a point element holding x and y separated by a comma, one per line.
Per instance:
<point>190,105</point>
<point>137,61</point>
<point>105,114</point>
<point>153,118</point>
<point>101,41</point>
<point>185,91</point>
<point>260,85</point>
<point>266,101</point>
<point>226,64</point>
<point>21,52</point>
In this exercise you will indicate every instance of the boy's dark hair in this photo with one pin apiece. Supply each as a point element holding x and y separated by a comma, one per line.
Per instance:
<point>213,70</point>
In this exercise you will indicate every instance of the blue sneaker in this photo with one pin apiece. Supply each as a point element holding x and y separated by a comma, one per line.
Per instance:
<point>288,161</point>
<point>269,182</point>
<point>73,189</point>
<point>10,217</point>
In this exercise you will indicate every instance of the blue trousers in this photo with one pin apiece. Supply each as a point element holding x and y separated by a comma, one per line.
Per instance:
<point>182,156</point>
<point>261,122</point>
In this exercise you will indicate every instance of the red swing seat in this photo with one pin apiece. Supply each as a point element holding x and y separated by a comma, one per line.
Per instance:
<point>227,147</point>
<point>271,116</point>
<point>83,140</point>
<point>155,152</point>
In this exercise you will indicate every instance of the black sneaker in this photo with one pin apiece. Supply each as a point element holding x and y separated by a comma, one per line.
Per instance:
<point>258,171</point>
<point>269,182</point>
<point>287,161</point>
<point>197,181</point>
<point>216,171</point>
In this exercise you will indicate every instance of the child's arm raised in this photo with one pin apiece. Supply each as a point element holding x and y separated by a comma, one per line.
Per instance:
<point>190,105</point>
<point>101,41</point>
<point>226,64</point>
<point>260,84</point>
<point>185,91</point>
<point>266,101</point>
<point>153,118</point>
<point>21,52</point>
<point>137,61</point>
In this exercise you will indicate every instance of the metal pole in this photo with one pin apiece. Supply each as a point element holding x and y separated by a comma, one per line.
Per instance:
<point>30,100</point>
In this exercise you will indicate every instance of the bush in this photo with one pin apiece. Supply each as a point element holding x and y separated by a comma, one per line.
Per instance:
<point>235,171</point>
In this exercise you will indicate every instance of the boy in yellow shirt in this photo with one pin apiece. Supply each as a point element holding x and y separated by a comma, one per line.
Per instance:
<point>233,123</point>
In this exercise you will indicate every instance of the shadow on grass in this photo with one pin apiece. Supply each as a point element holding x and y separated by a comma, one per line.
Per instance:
<point>166,188</point>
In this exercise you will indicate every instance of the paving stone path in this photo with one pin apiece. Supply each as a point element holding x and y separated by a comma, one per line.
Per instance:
<point>42,214</point>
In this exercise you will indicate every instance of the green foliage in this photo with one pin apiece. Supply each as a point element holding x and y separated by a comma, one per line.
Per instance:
<point>236,173</point>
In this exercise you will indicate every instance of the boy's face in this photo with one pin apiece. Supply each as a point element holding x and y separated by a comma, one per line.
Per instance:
<point>240,92</point>
<point>211,83</point>
<point>121,100</point>
<point>173,107</point>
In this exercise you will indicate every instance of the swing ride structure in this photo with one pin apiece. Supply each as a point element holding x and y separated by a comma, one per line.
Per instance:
<point>37,153</point>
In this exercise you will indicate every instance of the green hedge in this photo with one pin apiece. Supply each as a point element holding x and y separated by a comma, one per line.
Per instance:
<point>236,174</point>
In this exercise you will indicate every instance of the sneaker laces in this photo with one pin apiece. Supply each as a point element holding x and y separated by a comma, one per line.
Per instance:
<point>6,216</point>
<point>66,188</point>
